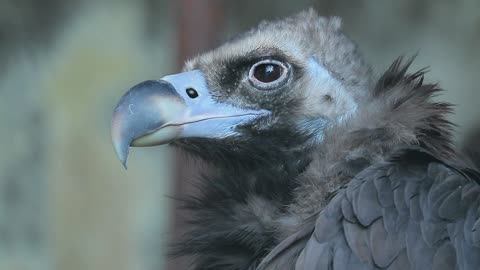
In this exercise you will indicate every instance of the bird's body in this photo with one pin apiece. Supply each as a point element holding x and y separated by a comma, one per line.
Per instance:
<point>335,169</point>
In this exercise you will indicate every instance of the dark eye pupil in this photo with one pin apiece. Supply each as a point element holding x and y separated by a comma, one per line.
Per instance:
<point>192,93</point>
<point>267,72</point>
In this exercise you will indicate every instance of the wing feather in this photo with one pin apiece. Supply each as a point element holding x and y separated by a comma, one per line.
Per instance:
<point>397,215</point>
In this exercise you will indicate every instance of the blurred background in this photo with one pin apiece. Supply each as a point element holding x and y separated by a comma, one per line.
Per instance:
<point>65,200</point>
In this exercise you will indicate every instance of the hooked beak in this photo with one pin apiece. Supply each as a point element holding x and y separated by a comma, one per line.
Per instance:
<point>177,106</point>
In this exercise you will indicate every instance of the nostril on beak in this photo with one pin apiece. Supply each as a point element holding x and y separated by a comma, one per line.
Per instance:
<point>192,93</point>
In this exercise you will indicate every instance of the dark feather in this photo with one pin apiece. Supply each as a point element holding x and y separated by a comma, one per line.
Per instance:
<point>232,217</point>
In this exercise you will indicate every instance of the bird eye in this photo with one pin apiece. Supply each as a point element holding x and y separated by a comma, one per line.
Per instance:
<point>267,74</point>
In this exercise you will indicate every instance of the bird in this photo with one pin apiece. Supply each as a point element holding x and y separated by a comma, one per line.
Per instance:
<point>317,161</point>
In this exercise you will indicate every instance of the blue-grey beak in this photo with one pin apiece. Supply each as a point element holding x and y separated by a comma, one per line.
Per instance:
<point>177,106</point>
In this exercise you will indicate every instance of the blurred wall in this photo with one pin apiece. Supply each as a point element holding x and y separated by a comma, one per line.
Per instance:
<point>65,201</point>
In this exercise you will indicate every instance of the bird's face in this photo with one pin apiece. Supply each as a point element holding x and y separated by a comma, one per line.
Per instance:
<point>275,88</point>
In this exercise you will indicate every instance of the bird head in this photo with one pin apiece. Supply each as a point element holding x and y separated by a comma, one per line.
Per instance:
<point>268,92</point>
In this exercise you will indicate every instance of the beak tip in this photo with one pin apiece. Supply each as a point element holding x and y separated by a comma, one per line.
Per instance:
<point>122,154</point>
<point>123,160</point>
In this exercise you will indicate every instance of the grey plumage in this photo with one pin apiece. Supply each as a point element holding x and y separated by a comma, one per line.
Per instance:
<point>346,171</point>
<point>427,242</point>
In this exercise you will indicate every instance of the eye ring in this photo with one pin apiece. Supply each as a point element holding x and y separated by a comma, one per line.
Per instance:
<point>268,74</point>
